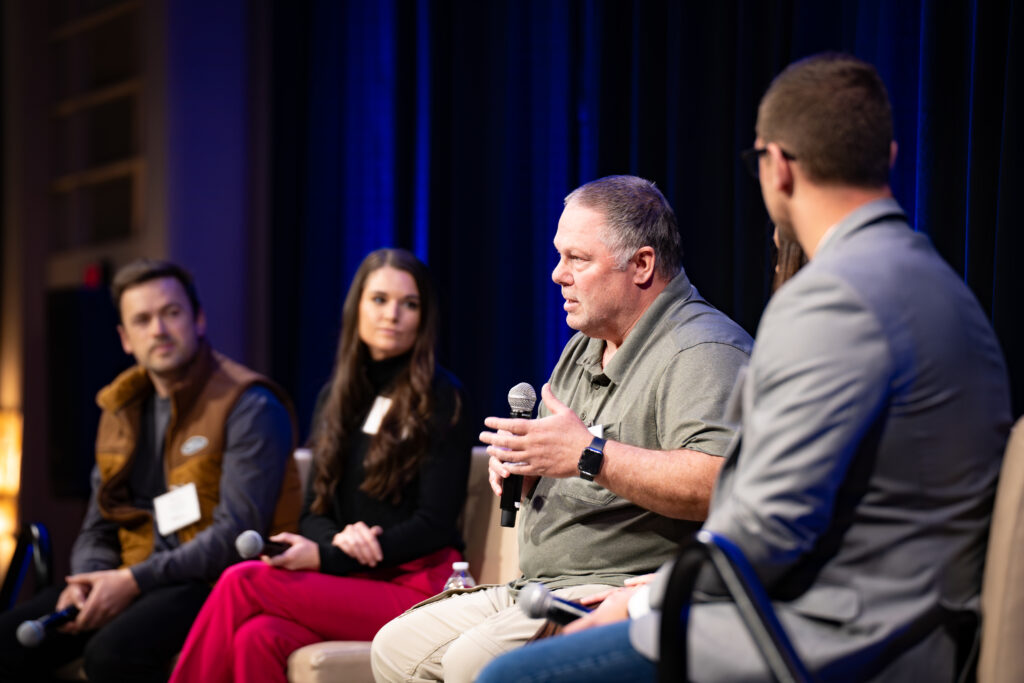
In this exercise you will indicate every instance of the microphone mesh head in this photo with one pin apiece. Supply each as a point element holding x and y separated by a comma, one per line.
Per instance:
<point>31,633</point>
<point>533,599</point>
<point>249,544</point>
<point>522,398</point>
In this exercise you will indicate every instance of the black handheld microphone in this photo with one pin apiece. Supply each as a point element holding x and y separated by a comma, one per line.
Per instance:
<point>521,399</point>
<point>32,633</point>
<point>538,603</point>
<point>250,544</point>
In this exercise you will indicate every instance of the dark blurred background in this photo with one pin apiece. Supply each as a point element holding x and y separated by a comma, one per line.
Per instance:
<point>269,145</point>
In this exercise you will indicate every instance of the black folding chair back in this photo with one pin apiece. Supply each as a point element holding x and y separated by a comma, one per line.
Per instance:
<point>751,601</point>
<point>33,550</point>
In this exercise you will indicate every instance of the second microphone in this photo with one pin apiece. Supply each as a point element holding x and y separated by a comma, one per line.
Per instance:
<point>521,399</point>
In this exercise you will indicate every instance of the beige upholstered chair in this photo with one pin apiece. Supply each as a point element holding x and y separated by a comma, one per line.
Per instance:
<point>1002,593</point>
<point>493,558</point>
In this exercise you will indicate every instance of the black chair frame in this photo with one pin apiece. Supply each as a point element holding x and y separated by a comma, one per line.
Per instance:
<point>33,549</point>
<point>751,601</point>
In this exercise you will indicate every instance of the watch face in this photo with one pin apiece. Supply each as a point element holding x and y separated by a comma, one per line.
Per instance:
<point>590,463</point>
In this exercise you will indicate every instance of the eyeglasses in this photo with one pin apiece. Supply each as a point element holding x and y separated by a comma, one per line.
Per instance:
<point>751,156</point>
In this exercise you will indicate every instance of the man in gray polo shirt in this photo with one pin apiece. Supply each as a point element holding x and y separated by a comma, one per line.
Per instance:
<point>618,467</point>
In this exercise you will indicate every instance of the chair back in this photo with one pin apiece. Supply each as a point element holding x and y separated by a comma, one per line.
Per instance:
<point>1002,594</point>
<point>491,549</point>
<point>32,549</point>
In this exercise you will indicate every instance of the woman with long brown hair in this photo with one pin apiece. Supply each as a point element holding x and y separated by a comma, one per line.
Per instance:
<point>391,457</point>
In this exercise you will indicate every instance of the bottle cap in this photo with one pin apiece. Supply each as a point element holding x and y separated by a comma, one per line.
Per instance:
<point>460,566</point>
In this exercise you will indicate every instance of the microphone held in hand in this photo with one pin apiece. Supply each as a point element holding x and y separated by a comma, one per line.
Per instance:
<point>538,602</point>
<point>32,633</point>
<point>250,544</point>
<point>521,399</point>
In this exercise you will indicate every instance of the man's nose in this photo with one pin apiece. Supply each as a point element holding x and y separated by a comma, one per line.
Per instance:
<point>558,275</point>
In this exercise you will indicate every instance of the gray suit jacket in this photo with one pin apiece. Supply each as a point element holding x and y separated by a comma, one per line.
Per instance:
<point>875,412</point>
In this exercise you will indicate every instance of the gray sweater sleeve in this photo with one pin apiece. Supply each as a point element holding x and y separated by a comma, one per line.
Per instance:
<point>258,445</point>
<point>97,546</point>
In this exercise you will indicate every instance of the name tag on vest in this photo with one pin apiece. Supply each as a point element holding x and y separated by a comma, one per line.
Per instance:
<point>176,509</point>
<point>377,412</point>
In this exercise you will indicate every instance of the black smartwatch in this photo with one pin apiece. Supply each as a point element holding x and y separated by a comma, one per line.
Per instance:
<point>592,459</point>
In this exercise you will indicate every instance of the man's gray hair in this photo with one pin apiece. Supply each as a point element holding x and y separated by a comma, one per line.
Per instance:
<point>637,215</point>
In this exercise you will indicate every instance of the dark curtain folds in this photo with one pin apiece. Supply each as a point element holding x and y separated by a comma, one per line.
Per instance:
<point>454,129</point>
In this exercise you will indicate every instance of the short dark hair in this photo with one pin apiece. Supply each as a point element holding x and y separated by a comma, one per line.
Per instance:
<point>142,270</point>
<point>638,215</point>
<point>832,113</point>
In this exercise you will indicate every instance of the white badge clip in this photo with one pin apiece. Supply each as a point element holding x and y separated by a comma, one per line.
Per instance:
<point>380,408</point>
<point>176,509</point>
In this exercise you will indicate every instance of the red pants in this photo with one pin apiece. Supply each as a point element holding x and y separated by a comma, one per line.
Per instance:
<point>257,615</point>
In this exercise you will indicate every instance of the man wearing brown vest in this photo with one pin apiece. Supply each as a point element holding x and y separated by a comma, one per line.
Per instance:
<point>192,449</point>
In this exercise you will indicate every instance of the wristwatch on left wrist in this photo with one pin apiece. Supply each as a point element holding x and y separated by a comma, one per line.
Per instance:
<point>592,459</point>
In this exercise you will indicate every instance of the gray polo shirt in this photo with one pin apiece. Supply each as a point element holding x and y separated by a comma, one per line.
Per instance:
<point>665,388</point>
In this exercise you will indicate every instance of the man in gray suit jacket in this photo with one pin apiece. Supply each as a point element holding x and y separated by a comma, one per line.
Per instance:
<point>875,411</point>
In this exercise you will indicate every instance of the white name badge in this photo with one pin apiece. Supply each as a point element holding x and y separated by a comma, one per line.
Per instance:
<point>596,430</point>
<point>176,509</point>
<point>380,408</point>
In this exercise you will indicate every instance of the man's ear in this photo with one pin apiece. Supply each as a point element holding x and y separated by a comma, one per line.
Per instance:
<point>782,172</point>
<point>644,260</point>
<point>893,150</point>
<point>200,323</point>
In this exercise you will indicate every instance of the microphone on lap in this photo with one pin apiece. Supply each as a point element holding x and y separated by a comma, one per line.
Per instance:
<point>521,399</point>
<point>538,602</point>
<point>250,544</point>
<point>32,633</point>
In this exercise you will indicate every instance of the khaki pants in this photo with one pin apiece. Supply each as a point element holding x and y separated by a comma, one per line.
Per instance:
<point>452,637</point>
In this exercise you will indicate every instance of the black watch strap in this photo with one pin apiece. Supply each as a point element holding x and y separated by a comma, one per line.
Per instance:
<point>591,459</point>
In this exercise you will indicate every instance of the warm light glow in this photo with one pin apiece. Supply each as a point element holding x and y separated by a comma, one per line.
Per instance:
<point>8,531</point>
<point>10,452</point>
<point>10,480</point>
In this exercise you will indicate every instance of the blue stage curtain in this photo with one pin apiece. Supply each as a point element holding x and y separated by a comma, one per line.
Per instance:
<point>455,128</point>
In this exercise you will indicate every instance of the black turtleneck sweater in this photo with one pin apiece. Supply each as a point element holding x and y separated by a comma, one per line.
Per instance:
<point>425,519</point>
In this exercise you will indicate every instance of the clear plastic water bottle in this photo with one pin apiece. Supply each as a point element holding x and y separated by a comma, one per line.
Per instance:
<point>460,577</point>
